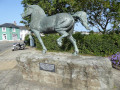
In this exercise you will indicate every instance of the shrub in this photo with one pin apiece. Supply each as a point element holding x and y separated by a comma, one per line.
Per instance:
<point>27,40</point>
<point>68,46</point>
<point>49,41</point>
<point>91,32</point>
<point>95,44</point>
<point>102,45</point>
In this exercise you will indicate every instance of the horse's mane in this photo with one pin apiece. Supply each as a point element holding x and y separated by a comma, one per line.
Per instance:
<point>38,8</point>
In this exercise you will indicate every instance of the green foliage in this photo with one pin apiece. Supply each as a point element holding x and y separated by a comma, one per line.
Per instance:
<point>49,41</point>
<point>99,45</point>
<point>52,7</point>
<point>27,40</point>
<point>103,44</point>
<point>91,32</point>
<point>100,12</point>
<point>93,44</point>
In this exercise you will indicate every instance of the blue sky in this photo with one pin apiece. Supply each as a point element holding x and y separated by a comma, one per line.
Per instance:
<point>11,10</point>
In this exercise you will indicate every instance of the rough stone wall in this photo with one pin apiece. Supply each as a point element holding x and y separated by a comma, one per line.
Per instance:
<point>71,72</point>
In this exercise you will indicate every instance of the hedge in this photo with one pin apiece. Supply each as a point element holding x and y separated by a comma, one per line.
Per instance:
<point>93,44</point>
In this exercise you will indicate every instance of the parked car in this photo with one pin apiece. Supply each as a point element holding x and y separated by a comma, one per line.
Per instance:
<point>18,46</point>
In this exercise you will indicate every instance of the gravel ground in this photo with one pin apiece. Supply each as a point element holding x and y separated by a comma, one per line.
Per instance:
<point>116,76</point>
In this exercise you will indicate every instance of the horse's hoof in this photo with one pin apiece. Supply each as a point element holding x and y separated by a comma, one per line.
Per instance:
<point>44,51</point>
<point>59,43</point>
<point>75,53</point>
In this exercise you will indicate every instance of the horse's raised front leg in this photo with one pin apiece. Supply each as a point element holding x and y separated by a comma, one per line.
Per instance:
<point>37,33</point>
<point>64,34</point>
<point>73,41</point>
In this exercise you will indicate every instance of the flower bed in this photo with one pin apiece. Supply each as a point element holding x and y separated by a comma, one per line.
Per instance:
<point>115,59</point>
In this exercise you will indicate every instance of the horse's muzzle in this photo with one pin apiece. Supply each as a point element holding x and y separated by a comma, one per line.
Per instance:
<point>86,25</point>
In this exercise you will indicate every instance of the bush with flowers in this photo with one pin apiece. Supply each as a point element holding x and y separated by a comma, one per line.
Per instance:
<point>115,60</point>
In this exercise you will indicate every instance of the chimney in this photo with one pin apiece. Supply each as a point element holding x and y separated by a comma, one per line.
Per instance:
<point>15,23</point>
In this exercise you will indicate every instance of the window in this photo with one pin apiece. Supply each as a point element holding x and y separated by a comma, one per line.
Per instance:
<point>13,29</point>
<point>3,29</point>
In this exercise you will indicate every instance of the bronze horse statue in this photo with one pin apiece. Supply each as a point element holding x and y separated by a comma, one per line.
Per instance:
<point>62,23</point>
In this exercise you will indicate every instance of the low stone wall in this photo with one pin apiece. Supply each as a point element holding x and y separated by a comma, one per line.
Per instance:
<point>66,71</point>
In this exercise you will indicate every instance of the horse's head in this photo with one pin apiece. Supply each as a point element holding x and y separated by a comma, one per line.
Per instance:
<point>33,9</point>
<point>28,11</point>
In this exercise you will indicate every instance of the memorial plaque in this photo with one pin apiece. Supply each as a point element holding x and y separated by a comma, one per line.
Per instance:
<point>47,67</point>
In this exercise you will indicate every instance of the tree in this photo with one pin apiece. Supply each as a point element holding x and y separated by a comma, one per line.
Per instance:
<point>50,7</point>
<point>100,12</point>
<point>116,13</point>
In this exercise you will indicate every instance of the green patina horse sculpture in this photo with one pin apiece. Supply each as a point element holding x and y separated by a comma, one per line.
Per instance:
<point>62,23</point>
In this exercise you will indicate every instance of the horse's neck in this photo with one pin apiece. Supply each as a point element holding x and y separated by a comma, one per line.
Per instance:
<point>36,18</point>
<point>38,15</point>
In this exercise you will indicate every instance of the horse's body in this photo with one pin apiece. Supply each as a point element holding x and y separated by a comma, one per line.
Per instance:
<point>61,23</point>
<point>51,24</point>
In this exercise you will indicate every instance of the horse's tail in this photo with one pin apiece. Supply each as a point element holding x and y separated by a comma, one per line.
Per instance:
<point>82,16</point>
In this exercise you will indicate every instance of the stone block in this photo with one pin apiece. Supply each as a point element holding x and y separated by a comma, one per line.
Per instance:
<point>71,72</point>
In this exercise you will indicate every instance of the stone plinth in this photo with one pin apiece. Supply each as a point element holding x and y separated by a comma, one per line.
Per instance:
<point>71,72</point>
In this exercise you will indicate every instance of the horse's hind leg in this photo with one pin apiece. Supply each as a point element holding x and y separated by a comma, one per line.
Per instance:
<point>73,41</point>
<point>64,34</point>
<point>40,40</point>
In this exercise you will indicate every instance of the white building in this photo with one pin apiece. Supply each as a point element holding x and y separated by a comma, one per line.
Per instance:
<point>85,32</point>
<point>82,32</point>
<point>23,32</point>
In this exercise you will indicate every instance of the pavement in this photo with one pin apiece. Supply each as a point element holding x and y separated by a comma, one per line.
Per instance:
<point>11,78</point>
<point>5,45</point>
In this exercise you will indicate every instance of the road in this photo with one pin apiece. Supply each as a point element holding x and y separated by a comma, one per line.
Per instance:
<point>5,46</point>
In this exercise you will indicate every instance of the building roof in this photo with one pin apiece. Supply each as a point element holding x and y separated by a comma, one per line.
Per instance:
<point>23,28</point>
<point>9,25</point>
